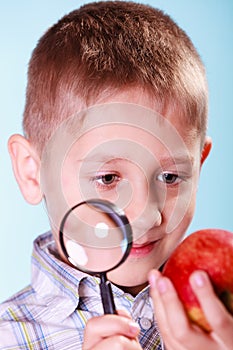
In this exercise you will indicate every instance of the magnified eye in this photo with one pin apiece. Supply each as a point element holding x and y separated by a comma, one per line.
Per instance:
<point>169,178</point>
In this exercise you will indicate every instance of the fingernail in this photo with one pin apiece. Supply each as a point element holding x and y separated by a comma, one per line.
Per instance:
<point>134,328</point>
<point>198,278</point>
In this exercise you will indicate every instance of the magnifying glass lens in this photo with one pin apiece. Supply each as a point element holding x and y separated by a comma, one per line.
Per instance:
<point>94,237</point>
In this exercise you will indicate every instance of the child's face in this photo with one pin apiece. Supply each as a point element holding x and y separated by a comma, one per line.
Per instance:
<point>146,164</point>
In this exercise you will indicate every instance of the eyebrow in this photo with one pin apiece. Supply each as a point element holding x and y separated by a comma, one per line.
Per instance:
<point>164,161</point>
<point>177,160</point>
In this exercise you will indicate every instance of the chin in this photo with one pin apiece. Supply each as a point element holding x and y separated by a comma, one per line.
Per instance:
<point>130,275</point>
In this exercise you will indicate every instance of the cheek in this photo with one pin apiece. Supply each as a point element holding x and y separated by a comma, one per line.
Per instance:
<point>174,236</point>
<point>179,207</point>
<point>61,192</point>
<point>71,186</point>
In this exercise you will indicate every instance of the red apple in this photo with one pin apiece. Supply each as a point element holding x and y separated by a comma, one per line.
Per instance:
<point>210,250</point>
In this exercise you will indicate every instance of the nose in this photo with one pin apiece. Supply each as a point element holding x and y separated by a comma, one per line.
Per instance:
<point>149,217</point>
<point>145,209</point>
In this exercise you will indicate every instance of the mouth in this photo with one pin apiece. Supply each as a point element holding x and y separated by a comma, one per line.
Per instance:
<point>142,250</point>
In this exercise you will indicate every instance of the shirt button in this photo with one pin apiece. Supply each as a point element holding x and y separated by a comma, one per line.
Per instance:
<point>145,323</point>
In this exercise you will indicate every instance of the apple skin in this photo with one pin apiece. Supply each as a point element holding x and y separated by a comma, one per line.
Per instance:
<point>210,250</point>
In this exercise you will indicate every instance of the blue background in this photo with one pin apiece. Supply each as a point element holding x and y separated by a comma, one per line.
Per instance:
<point>208,23</point>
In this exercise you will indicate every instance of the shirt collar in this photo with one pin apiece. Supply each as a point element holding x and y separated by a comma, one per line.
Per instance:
<point>56,283</point>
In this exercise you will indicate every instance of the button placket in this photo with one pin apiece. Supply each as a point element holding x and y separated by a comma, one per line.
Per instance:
<point>143,313</point>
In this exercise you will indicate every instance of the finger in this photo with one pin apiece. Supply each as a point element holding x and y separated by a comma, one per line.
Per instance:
<point>159,311</point>
<point>124,314</point>
<point>215,312</point>
<point>166,299</point>
<point>105,326</point>
<point>116,343</point>
<point>177,331</point>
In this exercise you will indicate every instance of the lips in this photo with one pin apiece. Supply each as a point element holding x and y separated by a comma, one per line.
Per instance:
<point>139,251</point>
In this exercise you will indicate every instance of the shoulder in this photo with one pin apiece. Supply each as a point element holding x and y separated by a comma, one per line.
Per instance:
<point>15,315</point>
<point>17,307</point>
<point>28,321</point>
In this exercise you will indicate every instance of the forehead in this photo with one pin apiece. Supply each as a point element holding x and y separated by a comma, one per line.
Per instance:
<point>119,130</point>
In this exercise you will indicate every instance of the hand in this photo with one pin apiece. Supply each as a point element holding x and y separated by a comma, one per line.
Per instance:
<point>177,331</point>
<point>111,332</point>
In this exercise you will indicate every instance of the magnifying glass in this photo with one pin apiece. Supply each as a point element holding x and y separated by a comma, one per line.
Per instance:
<point>96,237</point>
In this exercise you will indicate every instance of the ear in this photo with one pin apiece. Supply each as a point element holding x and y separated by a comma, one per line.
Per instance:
<point>26,167</point>
<point>206,149</point>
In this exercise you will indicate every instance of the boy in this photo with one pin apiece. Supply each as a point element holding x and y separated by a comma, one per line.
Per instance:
<point>116,108</point>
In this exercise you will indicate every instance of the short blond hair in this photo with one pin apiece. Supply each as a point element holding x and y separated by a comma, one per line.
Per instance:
<point>112,45</point>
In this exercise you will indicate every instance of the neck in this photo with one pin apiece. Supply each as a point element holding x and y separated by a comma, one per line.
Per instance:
<point>133,290</point>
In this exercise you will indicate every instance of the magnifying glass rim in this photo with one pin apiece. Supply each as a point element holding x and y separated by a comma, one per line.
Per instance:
<point>117,215</point>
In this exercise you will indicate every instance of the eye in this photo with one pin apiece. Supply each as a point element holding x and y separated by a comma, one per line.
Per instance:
<point>106,181</point>
<point>169,178</point>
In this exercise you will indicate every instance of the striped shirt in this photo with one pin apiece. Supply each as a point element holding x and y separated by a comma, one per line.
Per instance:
<point>51,313</point>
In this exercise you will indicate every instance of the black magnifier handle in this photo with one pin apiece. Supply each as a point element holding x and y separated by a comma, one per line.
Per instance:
<point>106,295</point>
